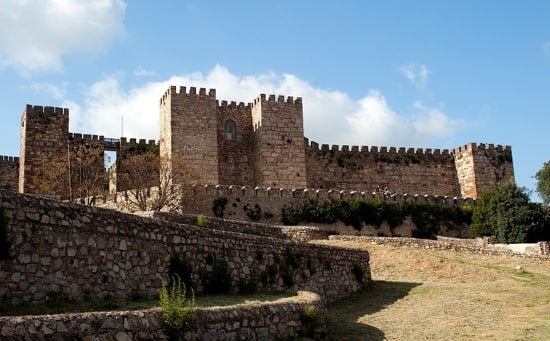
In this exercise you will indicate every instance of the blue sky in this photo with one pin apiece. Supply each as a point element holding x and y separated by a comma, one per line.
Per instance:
<point>423,74</point>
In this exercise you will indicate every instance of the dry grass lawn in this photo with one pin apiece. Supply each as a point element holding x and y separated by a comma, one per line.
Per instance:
<point>438,295</point>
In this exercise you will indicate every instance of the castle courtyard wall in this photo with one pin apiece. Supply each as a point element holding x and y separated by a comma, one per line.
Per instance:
<point>70,248</point>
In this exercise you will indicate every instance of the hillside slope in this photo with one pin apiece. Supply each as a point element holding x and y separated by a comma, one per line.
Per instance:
<point>435,295</point>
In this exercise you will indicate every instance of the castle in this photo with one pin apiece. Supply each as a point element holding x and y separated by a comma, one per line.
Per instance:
<point>262,144</point>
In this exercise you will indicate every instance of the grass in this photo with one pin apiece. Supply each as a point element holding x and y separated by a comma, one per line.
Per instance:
<point>438,295</point>
<point>62,306</point>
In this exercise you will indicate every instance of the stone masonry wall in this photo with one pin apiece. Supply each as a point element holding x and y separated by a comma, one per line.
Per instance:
<point>43,136</point>
<point>480,167</point>
<point>260,321</point>
<point>235,154</point>
<point>189,130</point>
<point>69,248</point>
<point>9,170</point>
<point>278,141</point>
<point>400,171</point>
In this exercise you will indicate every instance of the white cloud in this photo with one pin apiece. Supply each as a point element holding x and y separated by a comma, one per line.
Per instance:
<point>55,91</point>
<point>418,75</point>
<point>330,117</point>
<point>141,72</point>
<point>546,48</point>
<point>377,124</point>
<point>36,34</point>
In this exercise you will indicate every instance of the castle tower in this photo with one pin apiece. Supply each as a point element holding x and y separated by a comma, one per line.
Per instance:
<point>279,145</point>
<point>481,167</point>
<point>188,130</point>
<point>44,132</point>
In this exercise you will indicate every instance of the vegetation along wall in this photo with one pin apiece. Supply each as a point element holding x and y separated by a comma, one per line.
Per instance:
<point>74,249</point>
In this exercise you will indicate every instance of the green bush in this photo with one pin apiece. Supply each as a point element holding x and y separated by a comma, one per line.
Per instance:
<point>219,280</point>
<point>178,312</point>
<point>202,221</point>
<point>290,216</point>
<point>218,206</point>
<point>254,214</point>
<point>311,318</point>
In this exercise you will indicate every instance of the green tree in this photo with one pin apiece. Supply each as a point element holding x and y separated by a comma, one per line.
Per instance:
<point>543,183</point>
<point>509,216</point>
<point>482,222</point>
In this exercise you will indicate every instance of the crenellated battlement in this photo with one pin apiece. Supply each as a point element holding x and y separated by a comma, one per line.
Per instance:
<point>9,159</point>
<point>244,193</point>
<point>80,137</point>
<point>280,99</point>
<point>365,151</point>
<point>483,147</point>
<point>173,91</point>
<point>38,109</point>
<point>232,105</point>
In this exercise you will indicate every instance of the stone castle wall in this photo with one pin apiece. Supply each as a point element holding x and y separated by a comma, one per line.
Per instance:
<point>71,248</point>
<point>189,130</point>
<point>278,140</point>
<point>43,136</point>
<point>9,170</point>
<point>267,148</point>
<point>235,153</point>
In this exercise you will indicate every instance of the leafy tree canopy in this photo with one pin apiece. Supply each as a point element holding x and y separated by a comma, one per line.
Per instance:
<point>508,215</point>
<point>543,183</point>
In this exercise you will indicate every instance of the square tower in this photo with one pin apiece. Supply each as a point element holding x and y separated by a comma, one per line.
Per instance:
<point>188,131</point>
<point>279,143</point>
<point>44,133</point>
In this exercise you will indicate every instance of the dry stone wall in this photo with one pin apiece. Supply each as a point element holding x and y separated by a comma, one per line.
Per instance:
<point>260,321</point>
<point>70,248</point>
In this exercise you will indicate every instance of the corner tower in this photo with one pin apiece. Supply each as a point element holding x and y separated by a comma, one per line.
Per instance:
<point>188,131</point>
<point>481,167</point>
<point>279,145</point>
<point>44,132</point>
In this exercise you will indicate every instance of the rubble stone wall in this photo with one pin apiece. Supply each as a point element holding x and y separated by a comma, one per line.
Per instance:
<point>259,321</point>
<point>74,249</point>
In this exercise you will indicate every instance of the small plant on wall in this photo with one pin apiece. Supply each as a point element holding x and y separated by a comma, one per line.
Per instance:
<point>178,310</point>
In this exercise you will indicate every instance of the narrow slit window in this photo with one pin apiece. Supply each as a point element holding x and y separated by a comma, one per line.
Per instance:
<point>230,130</point>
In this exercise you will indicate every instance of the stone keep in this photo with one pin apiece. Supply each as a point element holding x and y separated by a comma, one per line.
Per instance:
<point>261,143</point>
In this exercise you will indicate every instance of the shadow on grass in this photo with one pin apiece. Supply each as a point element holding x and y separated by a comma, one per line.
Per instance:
<point>343,315</point>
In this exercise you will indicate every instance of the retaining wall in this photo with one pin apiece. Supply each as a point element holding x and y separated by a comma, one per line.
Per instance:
<point>538,250</point>
<point>259,321</point>
<point>70,248</point>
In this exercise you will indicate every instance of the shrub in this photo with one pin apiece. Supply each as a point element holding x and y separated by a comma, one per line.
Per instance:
<point>218,206</point>
<point>254,214</point>
<point>311,318</point>
<point>178,312</point>
<point>219,280</point>
<point>290,216</point>
<point>201,221</point>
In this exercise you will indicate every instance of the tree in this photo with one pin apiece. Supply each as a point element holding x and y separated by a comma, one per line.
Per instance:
<point>154,183</point>
<point>78,174</point>
<point>543,183</point>
<point>508,215</point>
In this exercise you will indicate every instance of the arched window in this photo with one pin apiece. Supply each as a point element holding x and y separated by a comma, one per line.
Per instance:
<point>230,130</point>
